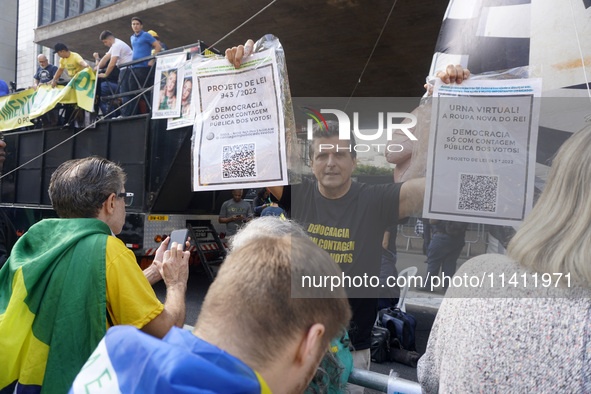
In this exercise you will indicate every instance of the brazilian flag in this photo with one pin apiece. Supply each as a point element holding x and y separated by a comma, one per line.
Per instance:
<point>128,360</point>
<point>52,304</point>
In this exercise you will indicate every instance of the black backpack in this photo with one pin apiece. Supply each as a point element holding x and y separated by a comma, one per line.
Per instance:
<point>380,344</point>
<point>393,337</point>
<point>401,325</point>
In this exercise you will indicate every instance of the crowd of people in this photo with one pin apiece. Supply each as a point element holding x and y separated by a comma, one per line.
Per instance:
<point>114,76</point>
<point>76,311</point>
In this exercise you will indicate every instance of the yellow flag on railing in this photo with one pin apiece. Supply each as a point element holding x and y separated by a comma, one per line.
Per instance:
<point>17,109</point>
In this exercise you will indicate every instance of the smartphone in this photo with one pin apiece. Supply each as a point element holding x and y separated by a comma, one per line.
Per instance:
<point>178,236</point>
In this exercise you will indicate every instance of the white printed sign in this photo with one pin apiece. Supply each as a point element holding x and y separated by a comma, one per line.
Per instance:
<point>238,135</point>
<point>186,99</point>
<point>482,148</point>
<point>168,81</point>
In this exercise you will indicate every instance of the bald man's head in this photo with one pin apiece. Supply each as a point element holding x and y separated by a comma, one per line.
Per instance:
<point>42,59</point>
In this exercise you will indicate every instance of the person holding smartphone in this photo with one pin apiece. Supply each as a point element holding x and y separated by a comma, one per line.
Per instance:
<point>235,212</point>
<point>80,280</point>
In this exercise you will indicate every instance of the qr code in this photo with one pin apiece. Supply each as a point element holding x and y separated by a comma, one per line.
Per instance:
<point>238,161</point>
<point>478,193</point>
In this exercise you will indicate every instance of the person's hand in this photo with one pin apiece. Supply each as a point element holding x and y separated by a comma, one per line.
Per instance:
<point>240,217</point>
<point>452,73</point>
<point>151,63</point>
<point>236,54</point>
<point>175,266</point>
<point>159,256</point>
<point>96,56</point>
<point>53,83</point>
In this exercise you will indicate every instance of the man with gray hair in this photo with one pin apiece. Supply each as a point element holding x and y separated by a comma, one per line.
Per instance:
<point>45,72</point>
<point>267,226</point>
<point>69,279</point>
<point>44,76</point>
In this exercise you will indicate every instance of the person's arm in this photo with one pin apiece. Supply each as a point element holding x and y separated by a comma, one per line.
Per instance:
<point>412,193</point>
<point>157,48</point>
<point>110,67</point>
<point>57,76</point>
<point>403,151</point>
<point>232,218</point>
<point>277,191</point>
<point>400,148</point>
<point>83,63</point>
<point>259,208</point>
<point>223,218</point>
<point>175,272</point>
<point>386,240</point>
<point>152,273</point>
<point>102,63</point>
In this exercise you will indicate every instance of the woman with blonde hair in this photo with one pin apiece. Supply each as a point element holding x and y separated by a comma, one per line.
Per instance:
<point>526,326</point>
<point>168,91</point>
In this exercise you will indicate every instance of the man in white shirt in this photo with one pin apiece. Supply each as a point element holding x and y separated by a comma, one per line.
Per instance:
<point>119,53</point>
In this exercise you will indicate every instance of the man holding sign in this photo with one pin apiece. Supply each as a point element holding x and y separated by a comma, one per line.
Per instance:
<point>348,218</point>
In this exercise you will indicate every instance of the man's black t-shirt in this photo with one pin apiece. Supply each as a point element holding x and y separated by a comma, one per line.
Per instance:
<point>350,229</point>
<point>45,75</point>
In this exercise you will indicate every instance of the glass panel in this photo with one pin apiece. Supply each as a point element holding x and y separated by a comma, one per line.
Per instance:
<point>74,8</point>
<point>45,12</point>
<point>105,2</point>
<point>89,5</point>
<point>60,10</point>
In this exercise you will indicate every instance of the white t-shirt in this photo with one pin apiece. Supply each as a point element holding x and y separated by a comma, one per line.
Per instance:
<point>122,50</point>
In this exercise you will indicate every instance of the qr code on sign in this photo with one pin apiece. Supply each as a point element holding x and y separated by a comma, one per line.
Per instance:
<point>238,161</point>
<point>478,193</point>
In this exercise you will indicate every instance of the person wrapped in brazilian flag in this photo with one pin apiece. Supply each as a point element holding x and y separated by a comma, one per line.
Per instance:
<point>67,280</point>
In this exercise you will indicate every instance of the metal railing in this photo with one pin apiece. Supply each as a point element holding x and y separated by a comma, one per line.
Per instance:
<point>145,87</point>
<point>384,383</point>
<point>480,236</point>
<point>409,226</point>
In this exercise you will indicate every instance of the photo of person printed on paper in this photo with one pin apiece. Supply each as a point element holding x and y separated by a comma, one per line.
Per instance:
<point>186,97</point>
<point>168,89</point>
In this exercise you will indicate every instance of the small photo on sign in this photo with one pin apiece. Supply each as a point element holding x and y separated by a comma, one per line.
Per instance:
<point>168,81</point>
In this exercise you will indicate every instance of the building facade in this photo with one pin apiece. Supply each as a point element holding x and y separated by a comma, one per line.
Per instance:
<point>8,24</point>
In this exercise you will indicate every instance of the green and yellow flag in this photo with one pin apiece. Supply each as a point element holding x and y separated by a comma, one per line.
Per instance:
<point>52,304</point>
<point>17,109</point>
